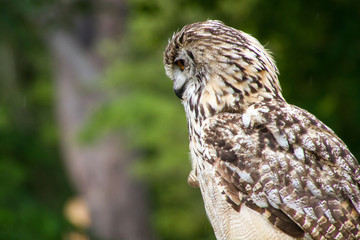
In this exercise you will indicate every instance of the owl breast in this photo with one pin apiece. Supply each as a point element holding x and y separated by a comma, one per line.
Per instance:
<point>228,223</point>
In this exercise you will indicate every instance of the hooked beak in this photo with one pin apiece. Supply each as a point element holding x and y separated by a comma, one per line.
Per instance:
<point>179,92</point>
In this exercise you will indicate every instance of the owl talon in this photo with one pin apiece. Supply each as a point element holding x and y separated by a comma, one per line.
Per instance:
<point>192,179</point>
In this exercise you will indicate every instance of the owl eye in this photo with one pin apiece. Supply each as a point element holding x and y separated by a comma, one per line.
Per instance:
<point>180,63</point>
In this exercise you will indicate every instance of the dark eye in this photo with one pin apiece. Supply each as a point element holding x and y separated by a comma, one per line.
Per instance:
<point>180,63</point>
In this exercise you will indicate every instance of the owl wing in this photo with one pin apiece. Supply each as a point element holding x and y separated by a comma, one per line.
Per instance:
<point>282,162</point>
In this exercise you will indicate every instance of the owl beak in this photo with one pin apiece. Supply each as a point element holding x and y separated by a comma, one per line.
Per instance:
<point>180,92</point>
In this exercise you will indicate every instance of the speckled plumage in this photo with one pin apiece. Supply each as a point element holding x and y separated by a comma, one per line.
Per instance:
<point>266,169</point>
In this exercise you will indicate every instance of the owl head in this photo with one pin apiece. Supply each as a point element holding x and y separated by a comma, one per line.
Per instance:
<point>210,62</point>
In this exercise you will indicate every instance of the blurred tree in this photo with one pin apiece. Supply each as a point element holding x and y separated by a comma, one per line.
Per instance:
<point>100,170</point>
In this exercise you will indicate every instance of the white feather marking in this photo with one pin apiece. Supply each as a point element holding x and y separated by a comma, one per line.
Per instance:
<point>298,166</point>
<point>260,200</point>
<point>264,110</point>
<point>265,94</point>
<point>245,176</point>
<point>328,214</point>
<point>309,144</point>
<point>281,140</point>
<point>296,183</point>
<point>329,190</point>
<point>246,119</point>
<point>290,201</point>
<point>290,135</point>
<point>299,153</point>
<point>274,198</point>
<point>265,168</point>
<point>283,164</point>
<point>313,189</point>
<point>310,211</point>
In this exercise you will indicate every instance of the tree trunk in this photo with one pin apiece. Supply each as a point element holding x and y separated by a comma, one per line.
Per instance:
<point>100,171</point>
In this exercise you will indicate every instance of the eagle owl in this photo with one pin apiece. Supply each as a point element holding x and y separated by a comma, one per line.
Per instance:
<point>266,169</point>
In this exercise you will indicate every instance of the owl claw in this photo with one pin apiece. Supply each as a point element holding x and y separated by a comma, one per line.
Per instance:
<point>192,179</point>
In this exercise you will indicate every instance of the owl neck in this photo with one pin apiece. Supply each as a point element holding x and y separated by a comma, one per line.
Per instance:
<point>220,97</point>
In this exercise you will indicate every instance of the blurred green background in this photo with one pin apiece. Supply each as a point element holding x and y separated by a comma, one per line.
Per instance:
<point>316,45</point>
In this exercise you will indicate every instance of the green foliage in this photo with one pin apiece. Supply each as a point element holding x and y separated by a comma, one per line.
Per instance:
<point>33,186</point>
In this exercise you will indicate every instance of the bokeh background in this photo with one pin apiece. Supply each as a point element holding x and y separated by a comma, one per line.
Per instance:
<point>93,142</point>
